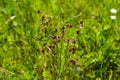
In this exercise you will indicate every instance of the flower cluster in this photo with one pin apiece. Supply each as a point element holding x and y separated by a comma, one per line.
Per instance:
<point>113,16</point>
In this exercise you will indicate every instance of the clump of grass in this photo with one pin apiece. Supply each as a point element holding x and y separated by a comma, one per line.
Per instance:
<point>51,40</point>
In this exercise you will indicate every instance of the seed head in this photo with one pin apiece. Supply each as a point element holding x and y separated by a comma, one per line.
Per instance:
<point>53,45</point>
<point>56,30</point>
<point>43,17</point>
<point>63,29</point>
<point>52,36</point>
<point>58,38</point>
<point>73,41</point>
<point>74,61</point>
<point>54,53</point>
<point>81,23</point>
<point>68,25</point>
<point>78,32</point>
<point>67,40</point>
<point>37,39</point>
<point>72,49</point>
<point>43,50</point>
<point>38,11</point>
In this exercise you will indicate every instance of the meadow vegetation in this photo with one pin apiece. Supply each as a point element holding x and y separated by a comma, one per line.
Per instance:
<point>59,40</point>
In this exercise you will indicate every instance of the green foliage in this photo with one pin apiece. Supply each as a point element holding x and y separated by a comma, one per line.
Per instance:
<point>59,40</point>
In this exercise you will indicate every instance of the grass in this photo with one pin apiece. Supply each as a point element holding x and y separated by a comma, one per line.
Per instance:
<point>59,40</point>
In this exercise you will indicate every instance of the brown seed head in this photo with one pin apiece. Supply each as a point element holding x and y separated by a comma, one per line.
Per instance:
<point>50,47</point>
<point>67,40</point>
<point>68,25</point>
<point>38,11</point>
<point>58,38</point>
<point>78,32</point>
<point>37,39</point>
<point>47,22</point>
<point>53,45</point>
<point>63,29</point>
<point>54,53</point>
<point>43,50</point>
<point>56,30</point>
<point>72,49</point>
<point>73,61</point>
<point>43,17</point>
<point>52,36</point>
<point>81,23</point>
<point>73,41</point>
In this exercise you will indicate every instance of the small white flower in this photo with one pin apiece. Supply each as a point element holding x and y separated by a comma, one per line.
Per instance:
<point>114,11</point>
<point>113,17</point>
